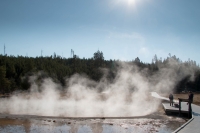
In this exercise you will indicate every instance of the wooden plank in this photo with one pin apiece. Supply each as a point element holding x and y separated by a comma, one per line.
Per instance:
<point>169,108</point>
<point>192,126</point>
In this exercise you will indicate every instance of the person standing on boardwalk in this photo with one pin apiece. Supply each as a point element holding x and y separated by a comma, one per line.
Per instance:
<point>171,97</point>
<point>190,100</point>
<point>190,97</point>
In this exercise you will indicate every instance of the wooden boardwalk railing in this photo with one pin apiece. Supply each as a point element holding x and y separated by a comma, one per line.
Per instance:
<point>191,126</point>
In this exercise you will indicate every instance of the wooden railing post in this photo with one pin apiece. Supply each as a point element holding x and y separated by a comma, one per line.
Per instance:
<point>189,106</point>
<point>189,109</point>
<point>179,106</point>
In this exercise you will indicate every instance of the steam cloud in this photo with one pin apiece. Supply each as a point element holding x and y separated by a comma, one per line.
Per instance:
<point>127,95</point>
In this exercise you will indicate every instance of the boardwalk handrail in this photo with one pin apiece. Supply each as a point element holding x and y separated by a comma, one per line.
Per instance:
<point>180,100</point>
<point>177,130</point>
<point>189,106</point>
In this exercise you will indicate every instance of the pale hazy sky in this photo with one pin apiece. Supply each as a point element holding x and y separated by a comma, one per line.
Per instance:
<point>121,29</point>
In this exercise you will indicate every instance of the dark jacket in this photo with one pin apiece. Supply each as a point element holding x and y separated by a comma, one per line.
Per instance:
<point>171,97</point>
<point>191,95</point>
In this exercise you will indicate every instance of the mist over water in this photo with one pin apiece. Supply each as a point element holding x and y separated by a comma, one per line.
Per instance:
<point>127,95</point>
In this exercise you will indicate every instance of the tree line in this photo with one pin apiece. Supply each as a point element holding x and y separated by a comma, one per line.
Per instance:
<point>15,71</point>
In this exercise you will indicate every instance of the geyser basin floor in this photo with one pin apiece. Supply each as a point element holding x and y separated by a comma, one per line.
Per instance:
<point>25,124</point>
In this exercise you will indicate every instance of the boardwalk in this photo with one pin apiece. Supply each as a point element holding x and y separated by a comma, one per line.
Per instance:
<point>169,109</point>
<point>193,125</point>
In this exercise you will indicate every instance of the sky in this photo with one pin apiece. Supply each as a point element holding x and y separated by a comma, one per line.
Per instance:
<point>121,29</point>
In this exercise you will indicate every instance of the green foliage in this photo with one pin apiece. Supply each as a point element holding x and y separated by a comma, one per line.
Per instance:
<point>15,71</point>
<point>4,82</point>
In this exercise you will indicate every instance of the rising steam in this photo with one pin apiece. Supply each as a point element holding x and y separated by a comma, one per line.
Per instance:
<point>127,95</point>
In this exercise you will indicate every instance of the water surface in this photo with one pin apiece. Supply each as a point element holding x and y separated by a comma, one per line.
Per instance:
<point>49,125</point>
